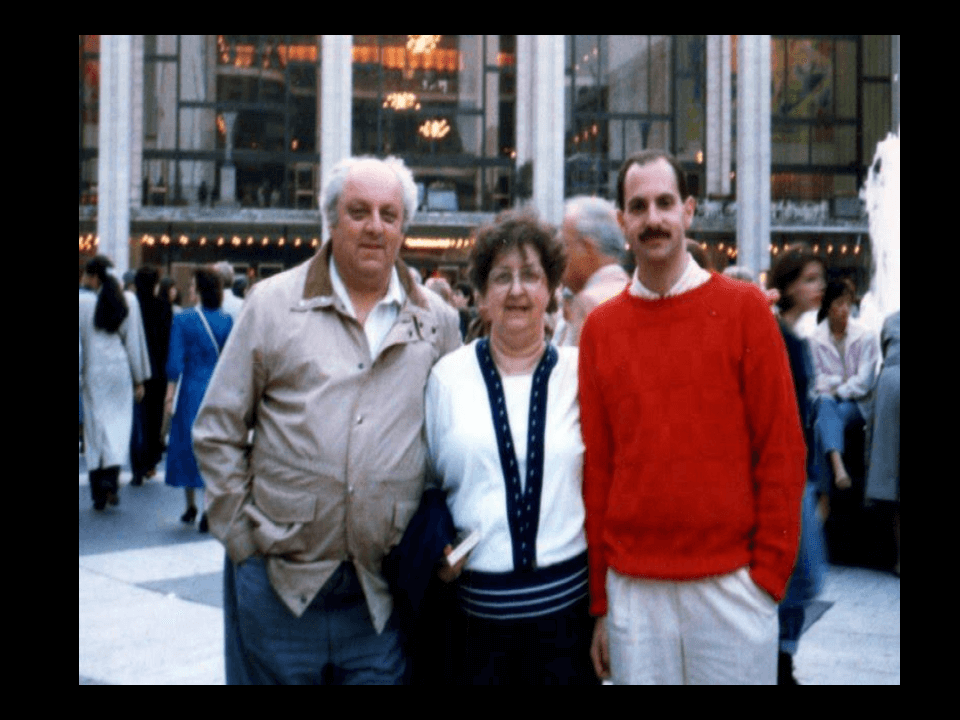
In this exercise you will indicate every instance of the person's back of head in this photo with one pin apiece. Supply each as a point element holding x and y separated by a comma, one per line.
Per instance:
<point>111,309</point>
<point>596,218</point>
<point>209,288</point>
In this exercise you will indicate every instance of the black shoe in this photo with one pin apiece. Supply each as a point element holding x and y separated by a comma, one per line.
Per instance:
<point>785,670</point>
<point>189,516</point>
<point>137,480</point>
<point>113,498</point>
<point>204,526</point>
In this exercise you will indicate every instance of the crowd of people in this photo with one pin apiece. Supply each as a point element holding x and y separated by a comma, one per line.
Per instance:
<point>145,363</point>
<point>642,463</point>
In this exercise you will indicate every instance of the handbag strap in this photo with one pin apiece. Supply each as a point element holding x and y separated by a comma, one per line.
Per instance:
<point>206,325</point>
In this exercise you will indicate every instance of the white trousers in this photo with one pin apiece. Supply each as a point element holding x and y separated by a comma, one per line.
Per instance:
<point>716,631</point>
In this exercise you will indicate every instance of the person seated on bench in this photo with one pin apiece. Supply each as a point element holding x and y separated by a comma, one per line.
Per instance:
<point>845,355</point>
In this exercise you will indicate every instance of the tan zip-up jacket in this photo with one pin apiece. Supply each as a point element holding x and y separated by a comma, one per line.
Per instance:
<point>336,465</point>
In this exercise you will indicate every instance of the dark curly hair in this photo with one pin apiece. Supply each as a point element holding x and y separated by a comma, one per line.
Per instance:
<point>515,229</point>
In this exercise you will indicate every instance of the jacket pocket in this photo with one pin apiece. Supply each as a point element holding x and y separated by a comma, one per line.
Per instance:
<point>278,514</point>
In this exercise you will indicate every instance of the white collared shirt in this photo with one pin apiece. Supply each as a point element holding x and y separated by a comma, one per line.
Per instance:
<point>383,315</point>
<point>693,276</point>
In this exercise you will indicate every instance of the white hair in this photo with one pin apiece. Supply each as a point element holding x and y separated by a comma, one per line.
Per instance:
<point>330,196</point>
<point>596,218</point>
<point>739,272</point>
<point>225,272</point>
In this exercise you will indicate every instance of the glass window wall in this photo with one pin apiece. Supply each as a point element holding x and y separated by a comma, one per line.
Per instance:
<point>89,75</point>
<point>247,103</point>
<point>626,93</point>
<point>446,104</point>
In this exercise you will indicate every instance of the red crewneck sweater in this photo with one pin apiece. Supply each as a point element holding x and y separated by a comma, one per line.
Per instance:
<point>694,461</point>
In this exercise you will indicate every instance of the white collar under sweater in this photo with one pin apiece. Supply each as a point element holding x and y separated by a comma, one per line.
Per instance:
<point>693,276</point>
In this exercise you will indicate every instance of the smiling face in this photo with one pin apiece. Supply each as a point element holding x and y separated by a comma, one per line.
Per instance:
<point>369,230</point>
<point>516,296</point>
<point>654,218</point>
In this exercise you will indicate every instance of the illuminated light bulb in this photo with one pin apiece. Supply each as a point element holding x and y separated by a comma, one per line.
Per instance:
<point>422,44</point>
<point>435,129</point>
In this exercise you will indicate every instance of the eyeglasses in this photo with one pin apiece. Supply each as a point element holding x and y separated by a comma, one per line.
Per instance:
<point>528,277</point>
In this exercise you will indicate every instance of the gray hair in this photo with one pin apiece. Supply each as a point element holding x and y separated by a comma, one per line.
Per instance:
<point>596,218</point>
<point>738,272</point>
<point>338,176</point>
<point>224,271</point>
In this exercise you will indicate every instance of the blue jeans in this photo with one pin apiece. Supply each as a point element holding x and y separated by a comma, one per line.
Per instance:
<point>832,420</point>
<point>808,574</point>
<point>333,642</point>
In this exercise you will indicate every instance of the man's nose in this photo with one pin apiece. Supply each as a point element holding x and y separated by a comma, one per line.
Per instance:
<point>375,222</point>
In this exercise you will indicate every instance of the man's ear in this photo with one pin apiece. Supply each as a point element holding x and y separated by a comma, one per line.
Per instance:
<point>689,208</point>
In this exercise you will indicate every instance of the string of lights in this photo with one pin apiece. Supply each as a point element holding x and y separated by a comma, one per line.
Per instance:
<point>89,242</point>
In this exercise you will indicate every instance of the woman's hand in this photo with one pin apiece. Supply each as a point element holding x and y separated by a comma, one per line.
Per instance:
<point>445,572</point>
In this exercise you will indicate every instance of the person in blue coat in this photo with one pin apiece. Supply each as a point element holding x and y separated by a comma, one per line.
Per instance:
<point>196,339</point>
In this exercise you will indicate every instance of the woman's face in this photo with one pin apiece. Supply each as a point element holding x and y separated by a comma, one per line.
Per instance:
<point>516,296</point>
<point>807,290</point>
<point>839,314</point>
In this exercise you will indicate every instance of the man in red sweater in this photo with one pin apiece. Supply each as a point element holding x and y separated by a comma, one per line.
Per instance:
<point>694,462</point>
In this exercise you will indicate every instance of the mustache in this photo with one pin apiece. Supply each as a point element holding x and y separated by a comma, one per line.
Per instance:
<point>655,234</point>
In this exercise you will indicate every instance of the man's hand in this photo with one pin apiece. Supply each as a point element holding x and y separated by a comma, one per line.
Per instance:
<point>445,572</point>
<point>138,392</point>
<point>599,650</point>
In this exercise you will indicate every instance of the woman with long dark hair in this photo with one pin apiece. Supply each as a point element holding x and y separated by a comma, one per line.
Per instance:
<point>196,339</point>
<point>114,364</point>
<point>799,277</point>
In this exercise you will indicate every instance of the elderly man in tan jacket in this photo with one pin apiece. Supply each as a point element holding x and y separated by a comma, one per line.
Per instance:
<point>327,367</point>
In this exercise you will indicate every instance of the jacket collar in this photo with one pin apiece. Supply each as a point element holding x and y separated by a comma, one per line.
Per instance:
<point>319,285</point>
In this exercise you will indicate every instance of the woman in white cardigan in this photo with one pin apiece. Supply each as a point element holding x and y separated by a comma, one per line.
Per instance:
<point>845,355</point>
<point>503,431</point>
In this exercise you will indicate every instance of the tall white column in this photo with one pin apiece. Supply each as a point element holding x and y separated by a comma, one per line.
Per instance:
<point>114,148</point>
<point>336,103</point>
<point>136,131</point>
<point>548,143</point>
<point>719,114</point>
<point>753,152</point>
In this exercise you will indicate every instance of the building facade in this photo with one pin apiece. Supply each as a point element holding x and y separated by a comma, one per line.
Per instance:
<point>205,147</point>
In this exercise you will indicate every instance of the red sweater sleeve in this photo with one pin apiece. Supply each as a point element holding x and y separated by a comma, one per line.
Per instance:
<point>598,466</point>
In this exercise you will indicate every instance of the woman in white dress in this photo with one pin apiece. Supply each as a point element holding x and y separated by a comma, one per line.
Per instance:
<point>114,364</point>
